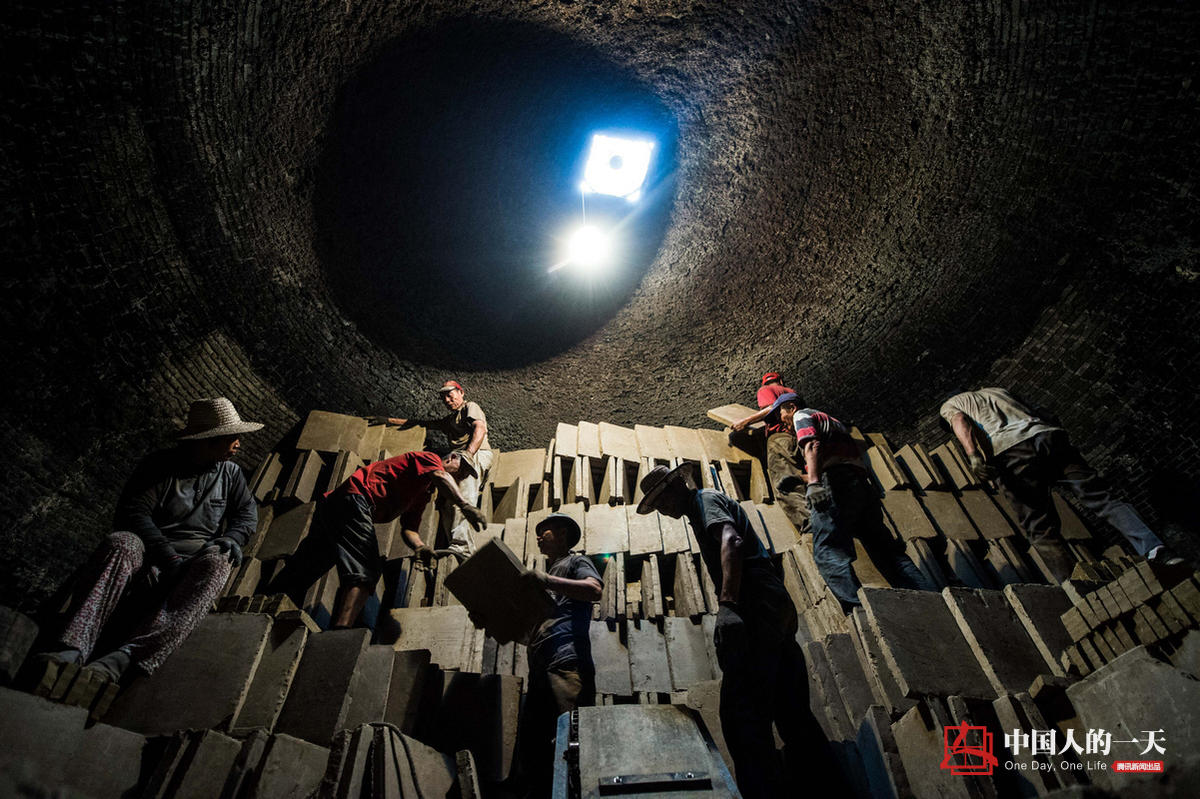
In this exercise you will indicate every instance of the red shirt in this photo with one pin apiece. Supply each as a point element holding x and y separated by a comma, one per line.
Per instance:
<point>398,486</point>
<point>766,398</point>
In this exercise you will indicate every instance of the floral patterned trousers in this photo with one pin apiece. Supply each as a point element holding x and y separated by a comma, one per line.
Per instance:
<point>164,626</point>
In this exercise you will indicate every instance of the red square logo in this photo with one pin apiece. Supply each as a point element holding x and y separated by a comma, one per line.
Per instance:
<point>967,750</point>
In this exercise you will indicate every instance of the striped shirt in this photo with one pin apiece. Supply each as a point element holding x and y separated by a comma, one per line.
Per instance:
<point>837,447</point>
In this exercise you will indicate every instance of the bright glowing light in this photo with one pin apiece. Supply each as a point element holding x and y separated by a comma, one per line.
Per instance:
<point>588,247</point>
<point>617,166</point>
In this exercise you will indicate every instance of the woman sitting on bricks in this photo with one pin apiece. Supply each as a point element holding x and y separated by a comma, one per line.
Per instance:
<point>180,526</point>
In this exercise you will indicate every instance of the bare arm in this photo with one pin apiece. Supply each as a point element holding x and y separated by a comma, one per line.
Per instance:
<point>754,418</point>
<point>812,460</point>
<point>451,487</point>
<point>410,422</point>
<point>731,563</point>
<point>412,538</point>
<point>477,436</point>
<point>587,589</point>
<point>964,431</point>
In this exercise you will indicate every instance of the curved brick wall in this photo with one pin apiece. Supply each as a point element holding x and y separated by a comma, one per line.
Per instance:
<point>882,200</point>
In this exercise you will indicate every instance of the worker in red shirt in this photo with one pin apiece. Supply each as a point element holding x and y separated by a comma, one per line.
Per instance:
<point>343,528</point>
<point>784,468</point>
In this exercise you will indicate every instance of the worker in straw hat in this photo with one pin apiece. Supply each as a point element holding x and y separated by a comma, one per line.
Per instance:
<point>181,523</point>
<point>764,678</point>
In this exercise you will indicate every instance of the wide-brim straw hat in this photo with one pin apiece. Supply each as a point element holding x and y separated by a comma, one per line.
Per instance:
<point>656,482</point>
<point>212,417</point>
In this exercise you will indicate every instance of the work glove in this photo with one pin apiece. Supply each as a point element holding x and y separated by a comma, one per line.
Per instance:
<point>535,577</point>
<point>230,547</point>
<point>425,554</point>
<point>729,636</point>
<point>981,468</point>
<point>474,516</point>
<point>819,496</point>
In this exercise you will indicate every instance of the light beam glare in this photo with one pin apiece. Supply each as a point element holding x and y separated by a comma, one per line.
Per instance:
<point>588,247</point>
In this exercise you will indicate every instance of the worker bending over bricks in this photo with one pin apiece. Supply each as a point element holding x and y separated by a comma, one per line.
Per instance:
<point>783,468</point>
<point>764,676</point>
<point>843,505</point>
<point>562,676</point>
<point>181,523</point>
<point>343,528</point>
<point>1007,441</point>
<point>466,428</point>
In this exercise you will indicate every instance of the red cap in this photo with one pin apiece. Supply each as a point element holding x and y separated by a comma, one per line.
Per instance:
<point>769,376</point>
<point>450,385</point>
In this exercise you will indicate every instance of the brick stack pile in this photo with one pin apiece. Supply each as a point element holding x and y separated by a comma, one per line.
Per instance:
<point>251,706</point>
<point>1012,641</point>
<point>1121,604</point>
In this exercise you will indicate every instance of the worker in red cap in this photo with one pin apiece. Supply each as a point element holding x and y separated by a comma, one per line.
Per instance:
<point>466,429</point>
<point>784,468</point>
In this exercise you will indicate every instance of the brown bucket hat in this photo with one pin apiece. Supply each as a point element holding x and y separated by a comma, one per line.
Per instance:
<point>656,481</point>
<point>573,531</point>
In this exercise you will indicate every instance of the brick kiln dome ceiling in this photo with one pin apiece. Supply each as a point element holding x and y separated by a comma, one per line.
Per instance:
<point>283,203</point>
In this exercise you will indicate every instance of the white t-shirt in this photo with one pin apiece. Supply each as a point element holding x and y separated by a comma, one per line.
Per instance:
<point>1001,417</point>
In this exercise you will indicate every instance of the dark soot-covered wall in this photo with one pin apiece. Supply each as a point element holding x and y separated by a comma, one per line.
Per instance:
<point>880,199</point>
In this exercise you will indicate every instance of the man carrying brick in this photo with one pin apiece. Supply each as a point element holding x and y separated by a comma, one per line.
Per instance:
<point>1006,441</point>
<point>764,675</point>
<point>843,505</point>
<point>343,527</point>
<point>562,676</point>
<point>466,429</point>
<point>181,523</point>
<point>783,468</point>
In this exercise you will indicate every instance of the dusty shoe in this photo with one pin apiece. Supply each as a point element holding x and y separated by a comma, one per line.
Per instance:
<point>1161,556</point>
<point>112,665</point>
